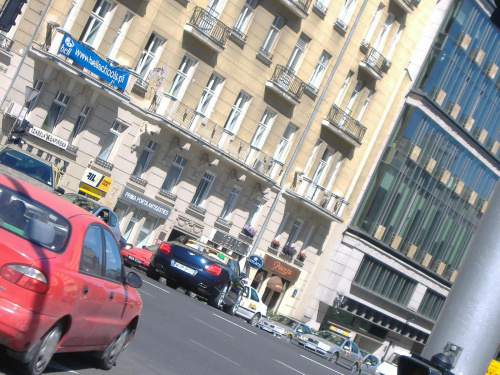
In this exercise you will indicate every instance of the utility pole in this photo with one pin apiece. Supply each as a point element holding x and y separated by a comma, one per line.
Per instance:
<point>470,318</point>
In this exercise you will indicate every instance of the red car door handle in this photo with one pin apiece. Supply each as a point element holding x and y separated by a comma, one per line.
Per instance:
<point>85,289</point>
<point>111,296</point>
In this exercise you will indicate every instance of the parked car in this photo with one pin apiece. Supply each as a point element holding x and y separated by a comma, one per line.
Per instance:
<point>251,306</point>
<point>390,365</point>
<point>141,258</point>
<point>104,213</point>
<point>63,287</point>
<point>333,346</point>
<point>284,327</point>
<point>369,365</point>
<point>18,163</point>
<point>203,270</point>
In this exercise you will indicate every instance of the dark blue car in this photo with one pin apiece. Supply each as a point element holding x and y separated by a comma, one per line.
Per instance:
<point>203,270</point>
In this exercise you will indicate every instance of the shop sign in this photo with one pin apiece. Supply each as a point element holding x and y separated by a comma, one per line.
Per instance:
<point>145,203</point>
<point>255,261</point>
<point>91,61</point>
<point>230,242</point>
<point>96,179</point>
<point>281,268</point>
<point>49,137</point>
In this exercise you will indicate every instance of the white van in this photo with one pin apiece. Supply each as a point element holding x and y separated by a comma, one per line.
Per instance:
<point>390,365</point>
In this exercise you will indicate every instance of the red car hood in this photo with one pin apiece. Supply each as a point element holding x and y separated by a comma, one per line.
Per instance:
<point>141,254</point>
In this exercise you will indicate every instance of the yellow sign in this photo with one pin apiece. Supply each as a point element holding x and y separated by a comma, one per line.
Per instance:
<point>105,183</point>
<point>92,191</point>
<point>494,368</point>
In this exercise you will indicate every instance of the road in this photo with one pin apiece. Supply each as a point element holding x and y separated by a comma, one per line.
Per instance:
<point>180,335</point>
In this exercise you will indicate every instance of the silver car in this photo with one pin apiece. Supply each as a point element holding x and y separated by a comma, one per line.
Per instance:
<point>369,365</point>
<point>284,327</point>
<point>334,347</point>
<point>97,209</point>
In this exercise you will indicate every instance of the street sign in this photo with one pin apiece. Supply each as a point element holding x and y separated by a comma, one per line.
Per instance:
<point>255,261</point>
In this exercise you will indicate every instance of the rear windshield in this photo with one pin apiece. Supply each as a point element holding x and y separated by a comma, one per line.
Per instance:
<point>285,321</point>
<point>82,202</point>
<point>31,220</point>
<point>28,166</point>
<point>210,252</point>
<point>332,337</point>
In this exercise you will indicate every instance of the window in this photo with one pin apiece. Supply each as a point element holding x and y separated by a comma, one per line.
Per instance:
<point>131,224</point>
<point>382,36</point>
<point>215,7</point>
<point>346,12</point>
<point>230,202</point>
<point>272,35</point>
<point>110,140</point>
<point>174,173</point>
<point>244,18</point>
<point>70,15</point>
<point>119,36</point>
<point>262,128</point>
<point>237,113</point>
<point>37,87</point>
<point>385,281</point>
<point>181,79</point>
<point>145,158</point>
<point>343,88</point>
<point>298,52</point>
<point>322,4</point>
<point>317,177</point>
<point>394,42</point>
<point>254,212</point>
<point>55,112</point>
<point>203,188</point>
<point>209,96</point>
<point>149,55</point>
<point>297,225</point>
<point>431,304</point>
<point>113,261</point>
<point>91,259</point>
<point>376,18</point>
<point>95,21</point>
<point>146,230</point>
<point>79,122</point>
<point>319,70</point>
<point>284,143</point>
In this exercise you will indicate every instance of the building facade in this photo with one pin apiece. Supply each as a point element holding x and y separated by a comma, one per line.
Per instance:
<point>254,125</point>
<point>405,242</point>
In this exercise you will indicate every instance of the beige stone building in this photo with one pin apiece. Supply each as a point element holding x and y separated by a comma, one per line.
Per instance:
<point>250,124</point>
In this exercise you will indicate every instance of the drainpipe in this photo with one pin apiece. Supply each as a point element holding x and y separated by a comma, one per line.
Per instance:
<point>28,47</point>
<point>304,134</point>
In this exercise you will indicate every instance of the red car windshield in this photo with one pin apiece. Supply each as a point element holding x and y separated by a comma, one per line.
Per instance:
<point>32,221</point>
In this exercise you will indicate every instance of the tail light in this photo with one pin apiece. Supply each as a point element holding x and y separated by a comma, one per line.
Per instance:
<point>26,277</point>
<point>164,248</point>
<point>213,269</point>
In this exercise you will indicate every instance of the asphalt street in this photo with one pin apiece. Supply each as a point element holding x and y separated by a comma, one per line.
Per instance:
<point>181,335</point>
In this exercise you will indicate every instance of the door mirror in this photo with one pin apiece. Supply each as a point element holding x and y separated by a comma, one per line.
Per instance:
<point>134,280</point>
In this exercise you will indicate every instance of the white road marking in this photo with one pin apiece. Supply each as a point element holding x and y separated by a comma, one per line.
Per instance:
<point>156,286</point>
<point>143,292</point>
<point>312,360</point>
<point>208,325</point>
<point>237,325</point>
<point>210,350</point>
<point>291,368</point>
<point>60,368</point>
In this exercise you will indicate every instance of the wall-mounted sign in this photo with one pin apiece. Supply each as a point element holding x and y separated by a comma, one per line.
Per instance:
<point>281,268</point>
<point>96,179</point>
<point>49,137</point>
<point>145,203</point>
<point>230,242</point>
<point>255,261</point>
<point>91,61</point>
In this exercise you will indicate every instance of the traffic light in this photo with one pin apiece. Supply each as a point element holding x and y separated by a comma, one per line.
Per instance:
<point>416,365</point>
<point>10,10</point>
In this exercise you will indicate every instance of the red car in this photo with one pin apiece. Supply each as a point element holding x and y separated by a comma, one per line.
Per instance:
<point>141,258</point>
<point>63,286</point>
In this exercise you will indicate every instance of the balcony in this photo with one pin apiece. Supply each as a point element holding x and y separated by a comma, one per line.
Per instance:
<point>297,7</point>
<point>139,181</point>
<point>285,83</point>
<point>406,5</point>
<point>345,126</point>
<point>5,43</point>
<point>216,136</point>
<point>205,27</point>
<point>375,64</point>
<point>317,197</point>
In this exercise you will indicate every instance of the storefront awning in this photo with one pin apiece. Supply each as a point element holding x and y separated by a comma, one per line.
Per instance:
<point>90,191</point>
<point>275,284</point>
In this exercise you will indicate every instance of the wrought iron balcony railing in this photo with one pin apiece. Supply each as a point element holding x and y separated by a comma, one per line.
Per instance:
<point>303,5</point>
<point>376,61</point>
<point>286,79</point>
<point>346,123</point>
<point>206,23</point>
<point>5,43</point>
